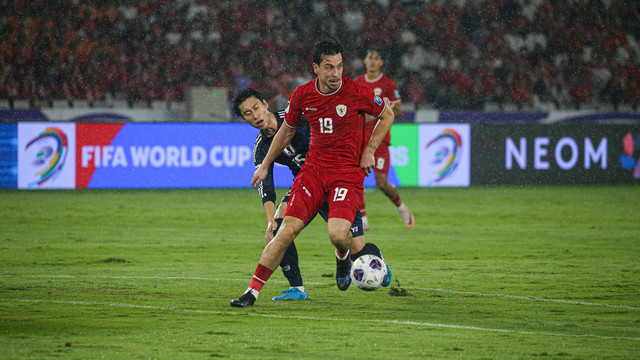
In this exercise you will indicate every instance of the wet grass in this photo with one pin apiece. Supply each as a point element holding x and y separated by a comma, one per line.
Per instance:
<point>487,272</point>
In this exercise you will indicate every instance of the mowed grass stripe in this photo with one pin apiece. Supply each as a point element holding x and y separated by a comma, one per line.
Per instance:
<point>394,322</point>
<point>516,297</point>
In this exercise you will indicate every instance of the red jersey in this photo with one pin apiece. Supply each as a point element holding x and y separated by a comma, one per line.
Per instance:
<point>336,120</point>
<point>382,86</point>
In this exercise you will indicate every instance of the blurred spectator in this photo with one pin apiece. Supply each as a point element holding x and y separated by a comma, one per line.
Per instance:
<point>415,92</point>
<point>455,54</point>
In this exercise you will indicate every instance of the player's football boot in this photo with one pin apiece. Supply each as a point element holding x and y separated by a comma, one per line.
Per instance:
<point>292,294</point>
<point>407,216</point>
<point>365,223</point>
<point>343,278</point>
<point>387,278</point>
<point>247,299</point>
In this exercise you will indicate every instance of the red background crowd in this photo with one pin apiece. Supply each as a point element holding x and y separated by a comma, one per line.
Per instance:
<point>447,54</point>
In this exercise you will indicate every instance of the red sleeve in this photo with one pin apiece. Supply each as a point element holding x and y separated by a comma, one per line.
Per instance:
<point>373,104</point>
<point>292,113</point>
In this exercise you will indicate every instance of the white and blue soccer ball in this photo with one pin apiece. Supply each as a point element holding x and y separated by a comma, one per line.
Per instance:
<point>368,272</point>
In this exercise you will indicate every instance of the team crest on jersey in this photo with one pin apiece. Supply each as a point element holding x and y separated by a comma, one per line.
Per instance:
<point>377,91</point>
<point>289,150</point>
<point>341,109</point>
<point>378,100</point>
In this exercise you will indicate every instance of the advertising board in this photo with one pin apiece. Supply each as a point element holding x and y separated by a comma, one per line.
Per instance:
<point>555,154</point>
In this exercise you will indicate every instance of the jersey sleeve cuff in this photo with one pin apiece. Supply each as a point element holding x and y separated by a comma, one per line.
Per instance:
<point>268,198</point>
<point>383,109</point>
<point>289,126</point>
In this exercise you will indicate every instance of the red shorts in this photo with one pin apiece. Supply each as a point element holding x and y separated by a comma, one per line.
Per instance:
<point>382,158</point>
<point>313,185</point>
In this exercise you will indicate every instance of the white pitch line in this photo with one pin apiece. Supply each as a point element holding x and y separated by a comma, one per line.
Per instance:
<point>518,297</point>
<point>533,298</point>
<point>394,322</point>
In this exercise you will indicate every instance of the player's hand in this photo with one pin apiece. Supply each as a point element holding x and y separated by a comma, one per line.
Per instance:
<point>259,175</point>
<point>367,161</point>
<point>268,236</point>
<point>389,103</point>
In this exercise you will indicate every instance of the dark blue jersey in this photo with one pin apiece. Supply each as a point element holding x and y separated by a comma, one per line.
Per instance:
<point>293,155</point>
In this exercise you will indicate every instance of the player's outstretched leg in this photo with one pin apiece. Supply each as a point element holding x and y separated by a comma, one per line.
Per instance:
<point>392,193</point>
<point>363,212</point>
<point>260,277</point>
<point>289,266</point>
<point>343,268</point>
<point>291,271</point>
<point>365,223</point>
<point>271,256</point>
<point>407,216</point>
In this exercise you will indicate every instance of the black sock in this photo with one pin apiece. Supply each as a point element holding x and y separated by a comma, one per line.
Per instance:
<point>279,222</point>
<point>289,266</point>
<point>368,249</point>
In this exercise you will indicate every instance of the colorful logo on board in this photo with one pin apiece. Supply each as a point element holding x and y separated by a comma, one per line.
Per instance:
<point>51,149</point>
<point>446,149</point>
<point>630,145</point>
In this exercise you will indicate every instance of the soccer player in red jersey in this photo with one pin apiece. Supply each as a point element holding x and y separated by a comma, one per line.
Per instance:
<point>253,107</point>
<point>385,87</point>
<point>336,163</point>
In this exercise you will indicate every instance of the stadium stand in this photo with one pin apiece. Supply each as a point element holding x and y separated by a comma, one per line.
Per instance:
<point>444,54</point>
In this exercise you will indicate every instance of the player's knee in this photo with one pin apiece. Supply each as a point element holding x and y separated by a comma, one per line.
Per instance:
<point>338,236</point>
<point>289,230</point>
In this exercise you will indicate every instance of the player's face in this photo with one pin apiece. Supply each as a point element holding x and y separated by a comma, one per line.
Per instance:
<point>255,112</point>
<point>329,73</point>
<point>373,61</point>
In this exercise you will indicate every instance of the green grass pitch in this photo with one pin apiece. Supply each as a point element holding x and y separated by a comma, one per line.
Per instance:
<point>549,272</point>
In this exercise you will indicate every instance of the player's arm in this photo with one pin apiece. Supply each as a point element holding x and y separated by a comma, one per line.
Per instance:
<point>396,107</point>
<point>270,210</point>
<point>267,191</point>
<point>385,120</point>
<point>280,141</point>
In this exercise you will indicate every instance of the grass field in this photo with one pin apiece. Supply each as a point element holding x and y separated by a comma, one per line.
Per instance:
<point>490,273</point>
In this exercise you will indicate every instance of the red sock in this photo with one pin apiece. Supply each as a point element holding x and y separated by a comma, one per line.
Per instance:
<point>260,277</point>
<point>342,256</point>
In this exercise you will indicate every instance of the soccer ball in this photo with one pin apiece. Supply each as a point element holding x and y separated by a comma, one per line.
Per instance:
<point>368,272</point>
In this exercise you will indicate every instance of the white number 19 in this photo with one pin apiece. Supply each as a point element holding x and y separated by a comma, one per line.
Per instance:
<point>326,125</point>
<point>340,194</point>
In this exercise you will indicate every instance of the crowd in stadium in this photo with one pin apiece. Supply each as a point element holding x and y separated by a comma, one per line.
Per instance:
<point>446,54</point>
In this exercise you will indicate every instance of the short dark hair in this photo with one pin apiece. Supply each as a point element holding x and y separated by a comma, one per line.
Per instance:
<point>376,50</point>
<point>243,95</point>
<point>326,47</point>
